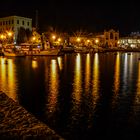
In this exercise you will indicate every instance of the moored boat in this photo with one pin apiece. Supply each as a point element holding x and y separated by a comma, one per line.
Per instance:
<point>6,53</point>
<point>47,52</point>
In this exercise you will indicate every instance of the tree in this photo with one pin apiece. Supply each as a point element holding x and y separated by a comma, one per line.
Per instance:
<point>28,34</point>
<point>21,37</point>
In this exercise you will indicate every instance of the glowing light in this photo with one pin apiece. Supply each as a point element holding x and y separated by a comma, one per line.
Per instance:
<point>59,39</point>
<point>2,36</point>
<point>53,37</point>
<point>9,34</point>
<point>96,40</point>
<point>88,40</point>
<point>78,39</point>
<point>34,38</point>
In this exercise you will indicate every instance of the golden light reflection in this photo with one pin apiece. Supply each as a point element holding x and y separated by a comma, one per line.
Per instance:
<point>137,99</point>
<point>77,82</point>
<point>87,73</point>
<point>60,62</point>
<point>3,74</point>
<point>117,74</point>
<point>53,87</point>
<point>34,64</point>
<point>95,82</point>
<point>116,80</point>
<point>125,64</point>
<point>8,78</point>
<point>125,70</point>
<point>131,64</point>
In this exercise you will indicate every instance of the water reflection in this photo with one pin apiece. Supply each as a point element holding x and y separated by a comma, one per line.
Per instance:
<point>60,62</point>
<point>95,82</point>
<point>116,79</point>
<point>34,64</point>
<point>117,74</point>
<point>8,77</point>
<point>84,92</point>
<point>77,81</point>
<point>125,73</point>
<point>137,98</point>
<point>87,74</point>
<point>53,87</point>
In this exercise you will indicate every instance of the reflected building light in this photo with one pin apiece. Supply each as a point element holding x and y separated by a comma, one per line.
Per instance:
<point>11,79</point>
<point>125,64</point>
<point>3,74</point>
<point>131,64</point>
<point>95,82</point>
<point>117,74</point>
<point>137,100</point>
<point>60,62</point>
<point>125,71</point>
<point>34,64</point>
<point>77,83</point>
<point>8,78</point>
<point>116,80</point>
<point>53,87</point>
<point>87,73</point>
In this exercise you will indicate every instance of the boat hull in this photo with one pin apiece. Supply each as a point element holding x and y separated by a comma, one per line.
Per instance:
<point>11,54</point>
<point>53,52</point>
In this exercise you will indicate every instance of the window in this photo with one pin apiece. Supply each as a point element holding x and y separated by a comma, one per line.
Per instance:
<point>111,35</point>
<point>9,22</point>
<point>3,22</point>
<point>12,21</point>
<point>17,21</point>
<point>28,23</point>
<point>22,22</point>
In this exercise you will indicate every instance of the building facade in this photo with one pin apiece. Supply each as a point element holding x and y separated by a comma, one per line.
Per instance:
<point>111,38</point>
<point>13,24</point>
<point>129,42</point>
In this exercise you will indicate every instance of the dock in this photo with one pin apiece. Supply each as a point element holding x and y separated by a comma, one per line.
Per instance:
<point>17,123</point>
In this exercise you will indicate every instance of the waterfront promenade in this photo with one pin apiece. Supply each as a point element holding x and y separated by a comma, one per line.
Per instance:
<point>17,123</point>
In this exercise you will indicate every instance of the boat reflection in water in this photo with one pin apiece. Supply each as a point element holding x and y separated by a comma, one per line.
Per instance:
<point>82,96</point>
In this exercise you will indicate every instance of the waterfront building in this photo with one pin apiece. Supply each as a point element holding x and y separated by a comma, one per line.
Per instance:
<point>129,42</point>
<point>13,24</point>
<point>111,38</point>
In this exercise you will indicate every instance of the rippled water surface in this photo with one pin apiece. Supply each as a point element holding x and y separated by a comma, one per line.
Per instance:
<point>80,96</point>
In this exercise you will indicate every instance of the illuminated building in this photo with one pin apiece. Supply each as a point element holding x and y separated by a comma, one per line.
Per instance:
<point>111,38</point>
<point>13,23</point>
<point>132,41</point>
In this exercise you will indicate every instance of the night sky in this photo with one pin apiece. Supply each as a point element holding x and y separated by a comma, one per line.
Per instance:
<point>72,15</point>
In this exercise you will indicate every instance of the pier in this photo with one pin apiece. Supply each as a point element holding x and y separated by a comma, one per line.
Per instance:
<point>18,123</point>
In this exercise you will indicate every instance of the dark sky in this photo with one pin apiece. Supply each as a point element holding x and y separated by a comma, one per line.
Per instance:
<point>69,15</point>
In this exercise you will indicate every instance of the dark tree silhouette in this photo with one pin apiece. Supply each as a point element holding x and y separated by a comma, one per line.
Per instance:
<point>21,37</point>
